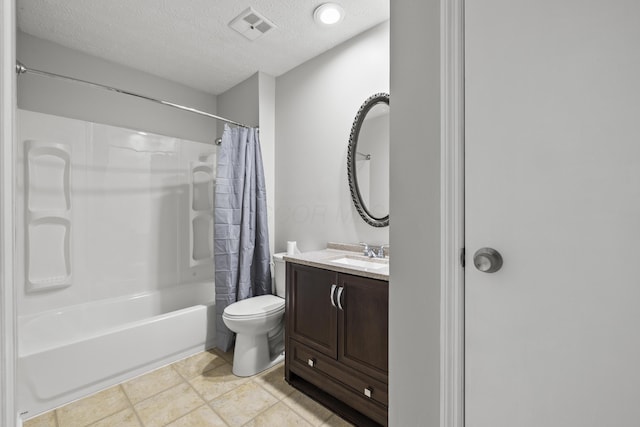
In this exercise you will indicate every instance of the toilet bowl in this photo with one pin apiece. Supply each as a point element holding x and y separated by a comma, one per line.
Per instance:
<point>259,326</point>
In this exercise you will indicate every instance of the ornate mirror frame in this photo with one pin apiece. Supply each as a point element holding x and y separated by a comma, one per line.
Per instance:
<point>368,104</point>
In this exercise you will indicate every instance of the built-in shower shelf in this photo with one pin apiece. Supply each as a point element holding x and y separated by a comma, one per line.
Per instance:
<point>52,280</point>
<point>201,213</point>
<point>47,215</point>
<point>47,172</point>
<point>50,283</point>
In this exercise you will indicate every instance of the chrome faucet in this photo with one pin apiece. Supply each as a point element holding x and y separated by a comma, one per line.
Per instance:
<point>370,252</point>
<point>366,250</point>
<point>381,250</point>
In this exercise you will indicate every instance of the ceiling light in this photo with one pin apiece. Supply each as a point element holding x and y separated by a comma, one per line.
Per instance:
<point>328,14</point>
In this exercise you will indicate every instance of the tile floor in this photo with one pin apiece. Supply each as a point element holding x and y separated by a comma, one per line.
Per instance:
<point>195,392</point>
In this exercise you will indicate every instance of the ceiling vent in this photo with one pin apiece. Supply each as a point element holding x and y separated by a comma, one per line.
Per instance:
<point>251,24</point>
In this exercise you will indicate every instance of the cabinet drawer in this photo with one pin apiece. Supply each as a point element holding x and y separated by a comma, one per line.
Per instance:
<point>363,386</point>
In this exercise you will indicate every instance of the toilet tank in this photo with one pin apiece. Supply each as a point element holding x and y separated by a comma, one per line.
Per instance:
<point>280,273</point>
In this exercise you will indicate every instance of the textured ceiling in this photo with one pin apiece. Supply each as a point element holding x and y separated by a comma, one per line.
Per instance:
<point>189,41</point>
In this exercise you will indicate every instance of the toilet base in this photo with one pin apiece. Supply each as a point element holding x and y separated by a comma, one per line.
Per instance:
<point>252,355</point>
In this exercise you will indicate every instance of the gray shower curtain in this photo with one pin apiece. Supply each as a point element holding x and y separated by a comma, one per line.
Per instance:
<point>240,234</point>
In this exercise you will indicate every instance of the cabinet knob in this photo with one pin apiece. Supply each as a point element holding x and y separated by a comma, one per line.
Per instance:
<point>368,392</point>
<point>311,362</point>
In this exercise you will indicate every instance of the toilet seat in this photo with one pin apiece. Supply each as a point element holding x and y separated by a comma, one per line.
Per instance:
<point>255,307</point>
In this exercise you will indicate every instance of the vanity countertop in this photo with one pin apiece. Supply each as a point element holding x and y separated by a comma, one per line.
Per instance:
<point>325,258</point>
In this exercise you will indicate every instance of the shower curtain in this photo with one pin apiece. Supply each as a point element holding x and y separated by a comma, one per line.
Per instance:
<point>241,239</point>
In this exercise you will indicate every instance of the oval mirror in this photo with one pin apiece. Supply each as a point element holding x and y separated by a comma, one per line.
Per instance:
<point>368,160</point>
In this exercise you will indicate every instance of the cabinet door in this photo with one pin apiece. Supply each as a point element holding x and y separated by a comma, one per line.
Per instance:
<point>363,335</point>
<point>311,317</point>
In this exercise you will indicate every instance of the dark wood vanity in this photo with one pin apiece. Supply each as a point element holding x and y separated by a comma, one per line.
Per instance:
<point>336,341</point>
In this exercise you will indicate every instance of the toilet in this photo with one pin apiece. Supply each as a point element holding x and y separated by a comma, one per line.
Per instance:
<point>259,326</point>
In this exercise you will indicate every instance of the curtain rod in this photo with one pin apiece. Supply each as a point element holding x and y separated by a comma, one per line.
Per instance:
<point>22,69</point>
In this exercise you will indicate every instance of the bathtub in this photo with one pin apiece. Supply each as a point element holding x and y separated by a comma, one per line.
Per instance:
<point>64,355</point>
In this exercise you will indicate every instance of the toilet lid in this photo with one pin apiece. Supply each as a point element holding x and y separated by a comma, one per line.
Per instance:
<point>262,305</point>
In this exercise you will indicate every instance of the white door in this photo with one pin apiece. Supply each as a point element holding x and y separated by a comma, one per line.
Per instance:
<point>552,143</point>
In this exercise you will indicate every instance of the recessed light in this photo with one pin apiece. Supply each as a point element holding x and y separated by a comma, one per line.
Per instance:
<point>328,14</point>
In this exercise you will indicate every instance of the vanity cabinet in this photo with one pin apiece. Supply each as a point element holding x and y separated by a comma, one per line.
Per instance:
<point>337,341</point>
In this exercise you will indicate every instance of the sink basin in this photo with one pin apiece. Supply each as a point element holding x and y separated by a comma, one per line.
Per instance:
<point>362,262</point>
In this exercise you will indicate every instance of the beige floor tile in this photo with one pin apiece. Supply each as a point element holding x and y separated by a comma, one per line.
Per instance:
<point>336,421</point>
<point>126,418</point>
<point>48,419</point>
<point>162,398</point>
<point>168,405</point>
<point>279,415</point>
<point>93,408</point>
<point>154,382</point>
<point>216,382</point>
<point>198,364</point>
<point>243,403</point>
<point>204,416</point>
<point>273,381</point>
<point>226,355</point>
<point>310,410</point>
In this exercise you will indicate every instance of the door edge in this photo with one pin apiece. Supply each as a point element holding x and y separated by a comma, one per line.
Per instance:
<point>8,415</point>
<point>452,214</point>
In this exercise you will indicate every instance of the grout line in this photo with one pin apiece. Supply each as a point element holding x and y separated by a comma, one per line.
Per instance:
<point>206,402</point>
<point>106,416</point>
<point>254,380</point>
<point>203,372</point>
<point>179,374</point>
<point>262,412</point>
<point>133,408</point>
<point>184,380</point>
<point>229,391</point>
<point>217,413</point>
<point>194,410</point>
<point>279,399</point>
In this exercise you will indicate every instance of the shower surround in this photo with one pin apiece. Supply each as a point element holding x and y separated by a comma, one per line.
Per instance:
<point>114,255</point>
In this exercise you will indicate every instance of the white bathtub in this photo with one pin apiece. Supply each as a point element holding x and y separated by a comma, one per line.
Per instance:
<point>64,355</point>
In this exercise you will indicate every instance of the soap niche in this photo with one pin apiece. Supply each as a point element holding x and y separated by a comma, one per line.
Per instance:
<point>48,254</point>
<point>201,213</point>
<point>202,244</point>
<point>47,215</point>
<point>202,188</point>
<point>47,170</point>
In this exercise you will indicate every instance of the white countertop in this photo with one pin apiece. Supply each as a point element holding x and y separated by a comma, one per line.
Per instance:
<point>325,259</point>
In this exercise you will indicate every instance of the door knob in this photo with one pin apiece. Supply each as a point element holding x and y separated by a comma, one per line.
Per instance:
<point>487,260</point>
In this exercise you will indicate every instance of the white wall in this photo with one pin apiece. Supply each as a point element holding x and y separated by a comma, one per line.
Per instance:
<point>414,300</point>
<point>316,103</point>
<point>128,218</point>
<point>240,103</point>
<point>68,99</point>
<point>252,102</point>
<point>267,102</point>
